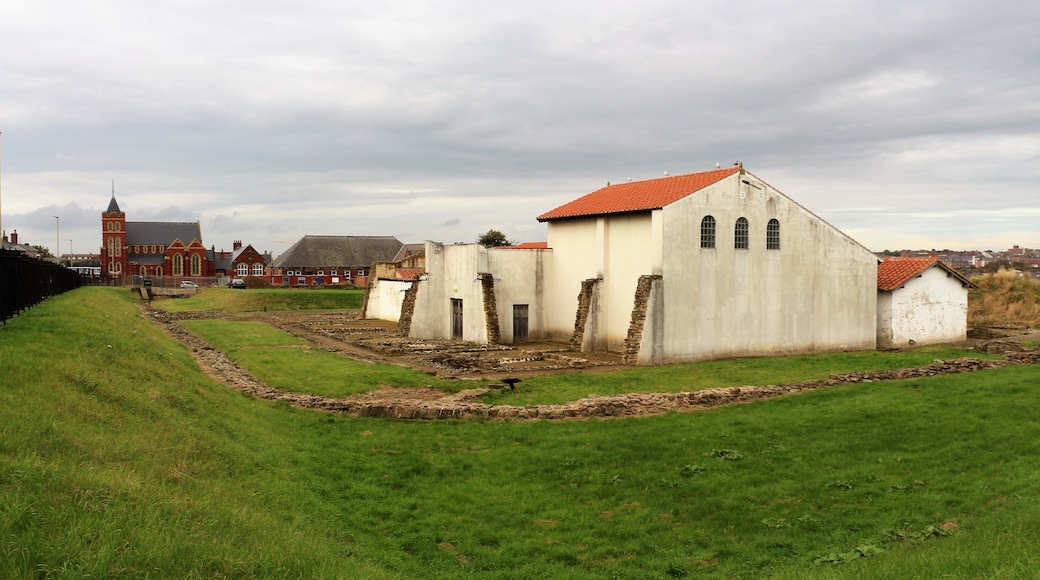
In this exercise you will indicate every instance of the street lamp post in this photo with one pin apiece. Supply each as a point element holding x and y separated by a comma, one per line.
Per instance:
<point>57,236</point>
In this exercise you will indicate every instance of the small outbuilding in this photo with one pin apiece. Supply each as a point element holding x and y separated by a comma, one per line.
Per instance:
<point>920,301</point>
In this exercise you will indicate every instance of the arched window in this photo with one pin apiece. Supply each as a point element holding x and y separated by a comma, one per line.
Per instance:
<point>740,234</point>
<point>143,271</point>
<point>158,271</point>
<point>242,270</point>
<point>196,265</point>
<point>708,232</point>
<point>178,265</point>
<point>258,269</point>
<point>773,234</point>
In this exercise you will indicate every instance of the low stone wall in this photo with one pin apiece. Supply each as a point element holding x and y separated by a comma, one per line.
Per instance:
<point>630,404</point>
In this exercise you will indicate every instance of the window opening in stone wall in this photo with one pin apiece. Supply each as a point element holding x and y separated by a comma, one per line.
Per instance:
<point>708,232</point>
<point>740,234</point>
<point>773,234</point>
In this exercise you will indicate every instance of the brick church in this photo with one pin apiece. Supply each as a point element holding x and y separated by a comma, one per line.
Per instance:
<point>152,249</point>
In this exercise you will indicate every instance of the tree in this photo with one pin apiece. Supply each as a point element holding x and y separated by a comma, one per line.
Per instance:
<point>493,238</point>
<point>44,251</point>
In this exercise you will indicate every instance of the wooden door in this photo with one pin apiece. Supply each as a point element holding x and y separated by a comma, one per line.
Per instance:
<point>456,319</point>
<point>520,323</point>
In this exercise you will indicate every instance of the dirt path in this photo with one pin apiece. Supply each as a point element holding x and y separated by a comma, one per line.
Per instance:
<point>430,403</point>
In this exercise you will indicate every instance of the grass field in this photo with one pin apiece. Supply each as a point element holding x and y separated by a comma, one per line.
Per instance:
<point>118,458</point>
<point>258,299</point>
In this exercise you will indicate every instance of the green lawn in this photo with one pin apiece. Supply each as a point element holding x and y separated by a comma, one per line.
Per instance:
<point>119,458</point>
<point>264,299</point>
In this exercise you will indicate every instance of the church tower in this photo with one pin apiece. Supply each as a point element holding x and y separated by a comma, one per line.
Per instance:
<point>113,239</point>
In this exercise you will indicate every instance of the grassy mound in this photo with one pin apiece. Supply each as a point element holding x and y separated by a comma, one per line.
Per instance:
<point>1004,299</point>
<point>119,458</point>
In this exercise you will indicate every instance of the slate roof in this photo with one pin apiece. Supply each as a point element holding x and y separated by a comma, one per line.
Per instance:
<point>339,251</point>
<point>164,233</point>
<point>637,196</point>
<point>894,272</point>
<point>113,207</point>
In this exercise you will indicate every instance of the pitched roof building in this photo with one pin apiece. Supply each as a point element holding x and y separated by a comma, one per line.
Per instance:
<point>151,249</point>
<point>332,259</point>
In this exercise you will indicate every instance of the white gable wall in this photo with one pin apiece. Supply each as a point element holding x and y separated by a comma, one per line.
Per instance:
<point>931,308</point>
<point>817,292</point>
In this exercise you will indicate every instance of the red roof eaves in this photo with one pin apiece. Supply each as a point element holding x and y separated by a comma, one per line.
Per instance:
<point>637,196</point>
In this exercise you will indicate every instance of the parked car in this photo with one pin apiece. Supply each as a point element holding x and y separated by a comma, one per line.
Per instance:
<point>237,283</point>
<point>189,284</point>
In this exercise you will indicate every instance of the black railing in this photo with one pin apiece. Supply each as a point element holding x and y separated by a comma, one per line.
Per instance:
<point>25,282</point>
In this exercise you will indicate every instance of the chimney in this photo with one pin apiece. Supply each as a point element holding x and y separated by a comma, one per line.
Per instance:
<point>14,237</point>
<point>236,245</point>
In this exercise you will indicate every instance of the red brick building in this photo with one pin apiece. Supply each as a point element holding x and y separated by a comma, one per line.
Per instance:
<point>151,249</point>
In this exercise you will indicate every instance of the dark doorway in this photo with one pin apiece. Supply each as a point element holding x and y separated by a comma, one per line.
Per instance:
<point>519,323</point>
<point>456,319</point>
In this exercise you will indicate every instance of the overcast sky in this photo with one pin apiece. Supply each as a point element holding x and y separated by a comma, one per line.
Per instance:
<point>906,124</point>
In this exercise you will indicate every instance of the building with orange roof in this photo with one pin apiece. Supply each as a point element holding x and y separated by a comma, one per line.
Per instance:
<point>679,268</point>
<point>920,301</point>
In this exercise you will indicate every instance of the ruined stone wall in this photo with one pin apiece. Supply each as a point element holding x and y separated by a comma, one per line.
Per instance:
<point>588,289</point>
<point>487,286</point>
<point>408,307</point>
<point>634,339</point>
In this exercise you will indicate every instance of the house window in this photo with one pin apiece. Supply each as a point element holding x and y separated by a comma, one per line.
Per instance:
<point>242,270</point>
<point>258,269</point>
<point>361,272</point>
<point>333,273</point>
<point>773,234</point>
<point>346,274</point>
<point>285,280</point>
<point>158,271</point>
<point>321,272</point>
<point>708,232</point>
<point>301,281</point>
<point>143,271</point>
<point>740,234</point>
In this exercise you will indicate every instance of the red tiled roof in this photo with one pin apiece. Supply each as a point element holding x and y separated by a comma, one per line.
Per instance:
<point>409,273</point>
<point>894,272</point>
<point>635,196</point>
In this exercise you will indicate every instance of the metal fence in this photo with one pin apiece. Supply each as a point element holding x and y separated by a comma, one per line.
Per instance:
<point>25,282</point>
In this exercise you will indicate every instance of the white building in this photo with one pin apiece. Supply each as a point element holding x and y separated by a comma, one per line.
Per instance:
<point>920,301</point>
<point>705,265</point>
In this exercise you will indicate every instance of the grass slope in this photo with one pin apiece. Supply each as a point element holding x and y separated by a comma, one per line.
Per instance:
<point>117,457</point>
<point>263,299</point>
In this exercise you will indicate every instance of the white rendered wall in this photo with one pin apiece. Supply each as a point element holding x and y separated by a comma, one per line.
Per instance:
<point>385,299</point>
<point>816,293</point>
<point>452,273</point>
<point>619,249</point>
<point>929,309</point>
